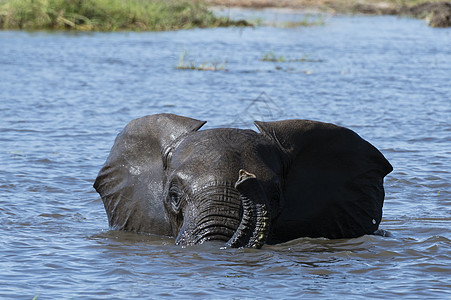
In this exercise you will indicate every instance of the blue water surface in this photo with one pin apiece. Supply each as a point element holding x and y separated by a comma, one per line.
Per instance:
<point>65,96</point>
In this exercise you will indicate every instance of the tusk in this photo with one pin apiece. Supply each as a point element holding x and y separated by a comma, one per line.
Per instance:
<point>254,227</point>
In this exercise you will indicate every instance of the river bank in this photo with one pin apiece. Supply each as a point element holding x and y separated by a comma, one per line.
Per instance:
<point>436,13</point>
<point>158,15</point>
<point>108,15</point>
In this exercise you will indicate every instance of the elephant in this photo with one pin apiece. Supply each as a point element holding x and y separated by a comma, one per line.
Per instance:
<point>292,179</point>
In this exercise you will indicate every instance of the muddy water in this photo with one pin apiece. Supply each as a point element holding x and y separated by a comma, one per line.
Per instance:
<point>64,97</point>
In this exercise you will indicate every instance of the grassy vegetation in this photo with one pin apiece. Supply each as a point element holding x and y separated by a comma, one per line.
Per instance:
<point>107,15</point>
<point>188,64</point>
<point>271,56</point>
<point>306,22</point>
<point>142,15</point>
<point>205,66</point>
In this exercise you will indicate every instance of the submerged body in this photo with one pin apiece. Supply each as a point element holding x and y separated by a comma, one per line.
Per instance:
<point>296,178</point>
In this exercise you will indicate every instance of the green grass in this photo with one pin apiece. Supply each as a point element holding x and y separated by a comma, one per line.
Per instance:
<point>107,15</point>
<point>307,21</point>
<point>205,66</point>
<point>271,56</point>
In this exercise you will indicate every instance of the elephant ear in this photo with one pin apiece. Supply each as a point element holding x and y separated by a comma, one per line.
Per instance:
<point>333,180</point>
<point>131,181</point>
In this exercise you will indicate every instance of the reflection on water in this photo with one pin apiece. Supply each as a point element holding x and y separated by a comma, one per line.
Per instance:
<point>64,97</point>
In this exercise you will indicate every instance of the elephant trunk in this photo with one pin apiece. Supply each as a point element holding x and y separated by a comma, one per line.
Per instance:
<point>215,216</point>
<point>254,227</point>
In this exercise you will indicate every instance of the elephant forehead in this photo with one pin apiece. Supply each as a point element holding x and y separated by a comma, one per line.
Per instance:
<point>206,162</point>
<point>223,152</point>
<point>219,142</point>
<point>223,137</point>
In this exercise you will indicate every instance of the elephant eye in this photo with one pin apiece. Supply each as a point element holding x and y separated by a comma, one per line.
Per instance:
<point>175,197</point>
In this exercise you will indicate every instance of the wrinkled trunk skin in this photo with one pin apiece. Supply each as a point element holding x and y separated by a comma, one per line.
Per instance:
<point>238,216</point>
<point>254,227</point>
<point>214,215</point>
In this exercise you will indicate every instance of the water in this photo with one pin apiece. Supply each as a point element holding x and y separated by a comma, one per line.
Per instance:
<point>65,96</point>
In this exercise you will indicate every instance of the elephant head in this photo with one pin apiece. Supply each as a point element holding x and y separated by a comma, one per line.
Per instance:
<point>296,178</point>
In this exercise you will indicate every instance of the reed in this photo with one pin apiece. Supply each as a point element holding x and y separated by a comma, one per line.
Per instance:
<point>205,66</point>
<point>107,15</point>
<point>272,57</point>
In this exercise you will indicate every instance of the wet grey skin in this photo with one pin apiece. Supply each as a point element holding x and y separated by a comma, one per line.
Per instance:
<point>292,179</point>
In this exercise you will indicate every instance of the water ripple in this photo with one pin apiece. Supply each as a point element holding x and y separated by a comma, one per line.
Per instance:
<point>65,96</point>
